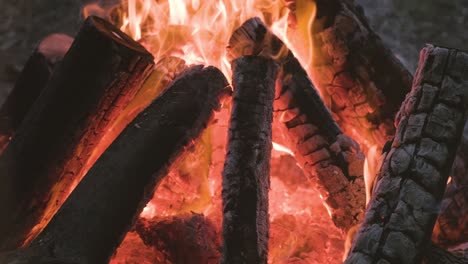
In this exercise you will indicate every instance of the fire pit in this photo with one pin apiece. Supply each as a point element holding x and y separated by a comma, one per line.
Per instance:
<point>224,132</point>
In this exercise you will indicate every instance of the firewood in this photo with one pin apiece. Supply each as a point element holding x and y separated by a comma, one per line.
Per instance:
<point>103,207</point>
<point>30,83</point>
<point>47,158</point>
<point>411,182</point>
<point>246,173</point>
<point>351,66</point>
<point>332,161</point>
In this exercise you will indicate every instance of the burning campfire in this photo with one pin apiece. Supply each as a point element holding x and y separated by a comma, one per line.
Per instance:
<point>219,131</point>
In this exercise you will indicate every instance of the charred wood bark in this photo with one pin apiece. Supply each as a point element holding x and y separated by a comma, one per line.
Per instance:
<point>99,212</point>
<point>246,173</point>
<point>30,83</point>
<point>411,182</point>
<point>97,78</point>
<point>364,80</point>
<point>332,160</point>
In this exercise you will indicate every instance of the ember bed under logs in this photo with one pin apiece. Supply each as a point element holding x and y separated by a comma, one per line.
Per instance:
<point>139,145</point>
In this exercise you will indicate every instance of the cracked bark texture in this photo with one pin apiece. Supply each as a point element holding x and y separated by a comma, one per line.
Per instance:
<point>97,78</point>
<point>331,160</point>
<point>246,173</point>
<point>360,77</point>
<point>400,217</point>
<point>94,219</point>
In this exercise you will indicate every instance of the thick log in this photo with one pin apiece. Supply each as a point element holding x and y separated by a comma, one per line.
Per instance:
<point>106,203</point>
<point>246,173</point>
<point>354,70</point>
<point>331,160</point>
<point>49,155</point>
<point>30,83</point>
<point>411,182</point>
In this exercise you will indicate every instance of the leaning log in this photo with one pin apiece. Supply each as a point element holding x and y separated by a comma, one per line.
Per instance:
<point>246,173</point>
<point>332,161</point>
<point>411,182</point>
<point>30,83</point>
<point>99,75</point>
<point>351,66</point>
<point>104,206</point>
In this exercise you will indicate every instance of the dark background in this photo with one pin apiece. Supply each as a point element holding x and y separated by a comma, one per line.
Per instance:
<point>404,25</point>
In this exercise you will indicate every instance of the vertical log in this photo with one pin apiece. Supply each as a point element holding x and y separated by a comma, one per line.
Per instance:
<point>95,218</point>
<point>30,83</point>
<point>331,160</point>
<point>99,75</point>
<point>409,188</point>
<point>247,166</point>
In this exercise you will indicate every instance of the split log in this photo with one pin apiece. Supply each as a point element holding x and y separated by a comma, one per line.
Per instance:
<point>99,75</point>
<point>30,83</point>
<point>246,173</point>
<point>332,161</point>
<point>411,182</point>
<point>351,66</point>
<point>103,207</point>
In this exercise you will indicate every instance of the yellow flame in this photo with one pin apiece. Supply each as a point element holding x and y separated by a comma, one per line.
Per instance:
<point>283,149</point>
<point>371,165</point>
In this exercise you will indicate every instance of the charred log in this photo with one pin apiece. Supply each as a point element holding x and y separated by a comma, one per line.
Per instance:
<point>182,239</point>
<point>332,160</point>
<point>246,173</point>
<point>364,80</point>
<point>409,189</point>
<point>99,212</point>
<point>99,75</point>
<point>30,83</point>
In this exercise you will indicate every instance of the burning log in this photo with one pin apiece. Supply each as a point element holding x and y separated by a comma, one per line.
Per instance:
<point>409,189</point>
<point>331,159</point>
<point>96,216</point>
<point>49,155</point>
<point>32,80</point>
<point>182,239</point>
<point>364,80</point>
<point>247,166</point>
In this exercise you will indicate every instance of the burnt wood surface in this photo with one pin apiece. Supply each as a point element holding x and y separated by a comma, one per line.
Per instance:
<point>246,173</point>
<point>400,217</point>
<point>332,160</point>
<point>30,83</point>
<point>364,80</point>
<point>102,208</point>
<point>99,75</point>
